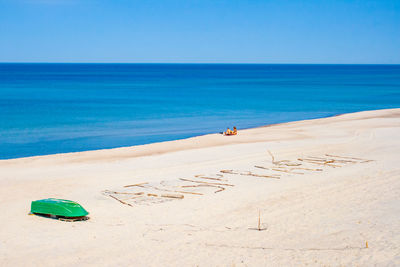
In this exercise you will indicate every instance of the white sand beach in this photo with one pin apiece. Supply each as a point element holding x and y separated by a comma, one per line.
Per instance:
<point>329,196</point>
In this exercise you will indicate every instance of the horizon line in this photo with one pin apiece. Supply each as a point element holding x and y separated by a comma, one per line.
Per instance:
<point>198,63</point>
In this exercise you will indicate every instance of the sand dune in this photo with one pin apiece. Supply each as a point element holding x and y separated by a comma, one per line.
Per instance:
<point>322,189</point>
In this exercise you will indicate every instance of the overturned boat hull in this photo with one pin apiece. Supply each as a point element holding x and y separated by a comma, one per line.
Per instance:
<point>59,208</point>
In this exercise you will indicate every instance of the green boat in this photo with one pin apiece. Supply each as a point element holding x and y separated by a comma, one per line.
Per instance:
<point>58,208</point>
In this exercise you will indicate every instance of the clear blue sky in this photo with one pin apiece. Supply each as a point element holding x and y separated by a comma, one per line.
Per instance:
<point>216,31</point>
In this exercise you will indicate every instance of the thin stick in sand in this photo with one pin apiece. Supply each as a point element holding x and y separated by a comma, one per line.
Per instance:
<point>209,178</point>
<point>289,163</point>
<point>319,163</point>
<point>131,185</point>
<point>363,160</point>
<point>320,160</point>
<point>123,202</point>
<point>168,190</point>
<point>307,169</point>
<point>282,162</point>
<point>176,191</point>
<point>282,169</point>
<point>206,185</point>
<point>333,160</point>
<point>202,182</point>
<point>287,171</point>
<point>261,167</point>
<point>249,173</point>
<point>172,196</point>
<point>229,171</point>
<point>220,189</point>
<point>272,156</point>
<point>192,193</point>
<point>259,228</point>
<point>122,193</point>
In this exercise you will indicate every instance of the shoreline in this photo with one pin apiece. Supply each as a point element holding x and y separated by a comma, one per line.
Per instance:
<point>314,192</point>
<point>144,146</point>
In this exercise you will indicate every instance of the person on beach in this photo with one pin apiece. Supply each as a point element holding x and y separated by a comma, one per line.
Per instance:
<point>230,132</point>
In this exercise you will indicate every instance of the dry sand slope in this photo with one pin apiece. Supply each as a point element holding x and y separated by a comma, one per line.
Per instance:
<point>301,193</point>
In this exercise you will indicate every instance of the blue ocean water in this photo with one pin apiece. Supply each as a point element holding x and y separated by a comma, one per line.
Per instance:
<point>55,108</point>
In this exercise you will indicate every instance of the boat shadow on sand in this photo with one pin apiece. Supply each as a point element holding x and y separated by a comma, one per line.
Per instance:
<point>61,218</point>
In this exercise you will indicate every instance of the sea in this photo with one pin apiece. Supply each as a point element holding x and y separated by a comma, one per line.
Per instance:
<point>57,108</point>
